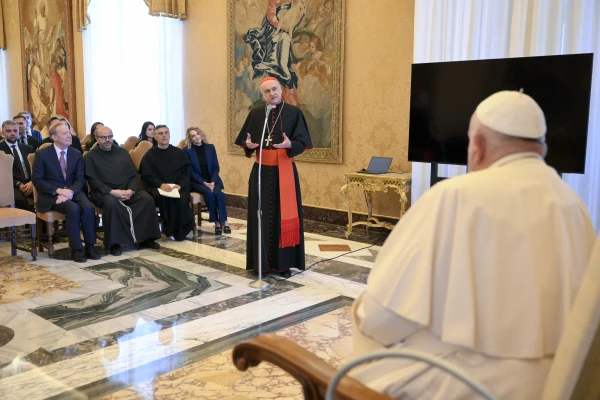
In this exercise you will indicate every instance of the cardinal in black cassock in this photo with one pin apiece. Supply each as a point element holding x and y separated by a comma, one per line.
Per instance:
<point>128,214</point>
<point>166,164</point>
<point>286,136</point>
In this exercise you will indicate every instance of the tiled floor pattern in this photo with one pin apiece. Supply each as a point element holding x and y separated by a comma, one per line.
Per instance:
<point>162,323</point>
<point>329,336</point>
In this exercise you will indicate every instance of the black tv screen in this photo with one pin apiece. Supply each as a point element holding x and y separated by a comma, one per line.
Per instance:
<point>444,96</point>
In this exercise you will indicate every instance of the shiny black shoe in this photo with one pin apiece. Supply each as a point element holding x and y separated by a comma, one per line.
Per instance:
<point>77,256</point>
<point>227,229</point>
<point>115,250</point>
<point>286,274</point>
<point>218,231</point>
<point>149,244</point>
<point>91,253</point>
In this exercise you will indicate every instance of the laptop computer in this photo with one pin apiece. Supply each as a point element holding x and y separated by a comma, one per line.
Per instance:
<point>378,165</point>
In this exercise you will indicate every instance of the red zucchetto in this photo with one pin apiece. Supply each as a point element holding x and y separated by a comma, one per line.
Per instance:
<point>268,78</point>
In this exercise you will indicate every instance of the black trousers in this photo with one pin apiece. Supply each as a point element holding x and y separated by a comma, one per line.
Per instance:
<point>21,201</point>
<point>215,201</point>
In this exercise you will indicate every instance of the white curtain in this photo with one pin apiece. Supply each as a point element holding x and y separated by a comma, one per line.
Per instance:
<point>133,69</point>
<point>4,115</point>
<point>454,30</point>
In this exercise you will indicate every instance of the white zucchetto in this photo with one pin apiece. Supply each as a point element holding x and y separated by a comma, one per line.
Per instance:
<point>512,113</point>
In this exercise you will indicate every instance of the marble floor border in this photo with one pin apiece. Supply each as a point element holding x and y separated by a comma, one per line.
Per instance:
<point>43,357</point>
<point>173,362</point>
<point>322,264</point>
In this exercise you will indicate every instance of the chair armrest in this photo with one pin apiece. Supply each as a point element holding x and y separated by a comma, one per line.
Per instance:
<point>417,355</point>
<point>312,372</point>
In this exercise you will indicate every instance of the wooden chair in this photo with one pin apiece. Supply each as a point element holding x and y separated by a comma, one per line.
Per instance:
<point>48,217</point>
<point>136,156</point>
<point>312,372</point>
<point>181,144</point>
<point>197,203</point>
<point>130,143</point>
<point>86,139</point>
<point>9,215</point>
<point>97,210</point>
<point>44,146</point>
<point>141,150</point>
<point>574,373</point>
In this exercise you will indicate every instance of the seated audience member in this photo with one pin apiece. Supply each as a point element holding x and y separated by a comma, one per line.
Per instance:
<point>163,165</point>
<point>58,177</point>
<point>128,214</point>
<point>75,142</point>
<point>31,132</point>
<point>482,270</point>
<point>90,143</point>
<point>23,124</point>
<point>147,134</point>
<point>204,171</point>
<point>21,171</point>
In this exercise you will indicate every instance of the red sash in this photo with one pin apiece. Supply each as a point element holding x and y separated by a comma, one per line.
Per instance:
<point>290,223</point>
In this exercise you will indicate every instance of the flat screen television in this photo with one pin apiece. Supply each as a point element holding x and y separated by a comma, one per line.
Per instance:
<point>444,96</point>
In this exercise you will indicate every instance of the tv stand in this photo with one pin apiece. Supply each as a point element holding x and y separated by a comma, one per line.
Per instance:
<point>433,176</point>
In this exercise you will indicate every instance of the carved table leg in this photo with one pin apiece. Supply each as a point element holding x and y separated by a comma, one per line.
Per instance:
<point>369,198</point>
<point>346,202</point>
<point>403,203</point>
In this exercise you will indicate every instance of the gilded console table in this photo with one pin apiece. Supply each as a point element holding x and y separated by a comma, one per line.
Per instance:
<point>369,183</point>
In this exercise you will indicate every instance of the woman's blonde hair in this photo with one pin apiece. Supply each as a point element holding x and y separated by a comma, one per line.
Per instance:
<point>188,139</point>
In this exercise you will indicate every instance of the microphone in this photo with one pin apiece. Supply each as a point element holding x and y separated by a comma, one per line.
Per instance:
<point>269,108</point>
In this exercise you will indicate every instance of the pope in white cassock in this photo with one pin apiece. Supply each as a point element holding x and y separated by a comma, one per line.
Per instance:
<point>482,270</point>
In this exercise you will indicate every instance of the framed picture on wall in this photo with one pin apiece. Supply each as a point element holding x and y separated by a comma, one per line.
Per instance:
<point>301,43</point>
<point>47,59</point>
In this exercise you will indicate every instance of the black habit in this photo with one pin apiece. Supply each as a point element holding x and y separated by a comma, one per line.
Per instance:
<point>170,165</point>
<point>125,221</point>
<point>292,122</point>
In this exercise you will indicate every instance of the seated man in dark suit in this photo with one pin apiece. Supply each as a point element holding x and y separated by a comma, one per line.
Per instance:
<point>37,135</point>
<point>21,169</point>
<point>58,178</point>
<point>23,125</point>
<point>75,142</point>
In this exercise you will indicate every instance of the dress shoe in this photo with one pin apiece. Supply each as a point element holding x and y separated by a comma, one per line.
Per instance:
<point>285,274</point>
<point>91,253</point>
<point>218,230</point>
<point>77,256</point>
<point>227,229</point>
<point>115,250</point>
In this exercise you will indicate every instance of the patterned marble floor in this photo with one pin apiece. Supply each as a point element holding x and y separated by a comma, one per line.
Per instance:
<point>161,324</point>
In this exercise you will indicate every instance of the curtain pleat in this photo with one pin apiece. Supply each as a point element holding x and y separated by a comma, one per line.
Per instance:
<point>2,37</point>
<point>81,18</point>
<point>167,8</point>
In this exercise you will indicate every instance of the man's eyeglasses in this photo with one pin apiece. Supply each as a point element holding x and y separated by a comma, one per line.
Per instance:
<point>110,137</point>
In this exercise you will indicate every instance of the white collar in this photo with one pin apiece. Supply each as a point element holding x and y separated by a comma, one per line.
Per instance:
<point>58,150</point>
<point>514,157</point>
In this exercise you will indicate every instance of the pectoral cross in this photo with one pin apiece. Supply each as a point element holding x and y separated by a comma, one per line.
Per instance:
<point>269,140</point>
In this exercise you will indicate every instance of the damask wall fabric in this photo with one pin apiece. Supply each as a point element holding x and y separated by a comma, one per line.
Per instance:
<point>376,105</point>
